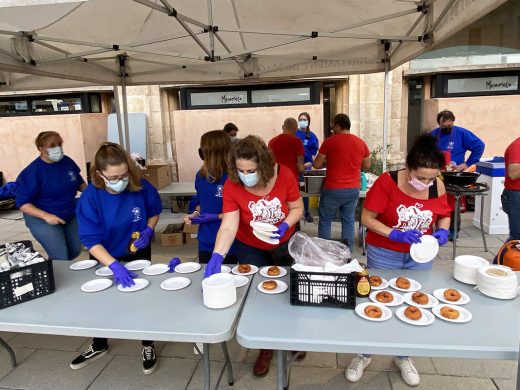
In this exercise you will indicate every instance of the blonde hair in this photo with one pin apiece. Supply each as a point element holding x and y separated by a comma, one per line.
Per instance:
<point>215,147</point>
<point>41,139</point>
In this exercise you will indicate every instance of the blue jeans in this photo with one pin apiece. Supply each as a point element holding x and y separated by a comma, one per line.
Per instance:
<point>345,200</point>
<point>61,242</point>
<point>511,206</point>
<point>381,258</point>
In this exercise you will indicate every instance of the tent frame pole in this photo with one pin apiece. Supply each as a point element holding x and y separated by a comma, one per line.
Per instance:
<point>118,116</point>
<point>123,74</point>
<point>386,105</point>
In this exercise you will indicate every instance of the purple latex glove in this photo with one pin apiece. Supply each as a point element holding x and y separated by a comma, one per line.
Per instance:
<point>408,237</point>
<point>204,218</point>
<point>145,237</point>
<point>122,275</point>
<point>442,236</point>
<point>173,263</point>
<point>282,229</point>
<point>214,264</point>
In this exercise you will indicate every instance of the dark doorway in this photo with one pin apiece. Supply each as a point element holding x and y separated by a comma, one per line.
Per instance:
<point>415,100</point>
<point>329,107</point>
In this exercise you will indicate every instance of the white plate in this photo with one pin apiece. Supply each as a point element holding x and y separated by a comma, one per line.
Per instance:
<point>398,298</point>
<point>427,318</point>
<point>360,311</point>
<point>426,250</point>
<point>266,227</point>
<point>187,268</point>
<point>282,286</point>
<point>156,269</point>
<point>465,315</point>
<point>384,284</point>
<point>263,272</point>
<point>137,265</point>
<point>439,294</point>
<point>83,264</point>
<point>241,281</point>
<point>139,285</point>
<point>432,301</point>
<point>267,239</point>
<point>414,285</point>
<point>224,269</point>
<point>175,283</point>
<point>254,270</point>
<point>96,285</point>
<point>266,233</point>
<point>104,271</point>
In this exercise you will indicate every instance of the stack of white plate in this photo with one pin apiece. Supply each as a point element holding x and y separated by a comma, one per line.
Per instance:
<point>219,291</point>
<point>265,232</point>
<point>497,281</point>
<point>426,250</point>
<point>466,268</point>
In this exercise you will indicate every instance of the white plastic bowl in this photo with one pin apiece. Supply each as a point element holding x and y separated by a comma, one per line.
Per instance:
<point>466,268</point>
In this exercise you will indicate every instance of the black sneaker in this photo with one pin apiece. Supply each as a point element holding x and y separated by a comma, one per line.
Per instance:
<point>308,217</point>
<point>149,359</point>
<point>88,356</point>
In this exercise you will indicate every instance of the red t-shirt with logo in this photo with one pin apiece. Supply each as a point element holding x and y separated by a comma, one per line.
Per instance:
<point>399,211</point>
<point>512,156</point>
<point>345,153</point>
<point>286,149</point>
<point>271,208</point>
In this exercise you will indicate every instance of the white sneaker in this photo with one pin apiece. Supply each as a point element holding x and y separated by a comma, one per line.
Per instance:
<point>354,372</point>
<point>408,371</point>
<point>200,346</point>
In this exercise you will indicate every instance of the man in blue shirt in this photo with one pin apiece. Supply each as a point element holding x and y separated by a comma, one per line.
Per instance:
<point>455,141</point>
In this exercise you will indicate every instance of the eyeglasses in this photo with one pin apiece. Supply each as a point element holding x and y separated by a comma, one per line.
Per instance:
<point>113,180</point>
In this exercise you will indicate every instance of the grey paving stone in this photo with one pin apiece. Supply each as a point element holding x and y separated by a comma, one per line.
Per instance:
<point>124,347</point>
<point>385,363</point>
<point>317,359</point>
<point>43,341</point>
<point>6,336</point>
<point>505,384</point>
<point>237,353</point>
<point>5,362</point>
<point>436,382</point>
<point>125,372</point>
<point>331,379</point>
<point>50,370</point>
<point>504,369</point>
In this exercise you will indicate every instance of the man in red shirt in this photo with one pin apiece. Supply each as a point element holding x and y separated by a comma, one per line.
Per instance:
<point>345,155</point>
<point>511,194</point>
<point>288,149</point>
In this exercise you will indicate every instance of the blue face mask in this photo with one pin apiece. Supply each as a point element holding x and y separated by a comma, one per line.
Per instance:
<point>55,154</point>
<point>249,180</point>
<point>303,124</point>
<point>120,186</point>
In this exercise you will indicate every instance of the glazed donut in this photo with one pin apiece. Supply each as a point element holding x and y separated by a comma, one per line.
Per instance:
<point>402,283</point>
<point>373,311</point>
<point>413,313</point>
<point>273,271</point>
<point>269,285</point>
<point>244,268</point>
<point>451,295</point>
<point>384,297</point>
<point>420,298</point>
<point>375,281</point>
<point>450,313</point>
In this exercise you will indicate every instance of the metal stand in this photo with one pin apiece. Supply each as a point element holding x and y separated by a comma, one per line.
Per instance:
<point>282,370</point>
<point>10,351</point>
<point>456,216</point>
<point>207,370</point>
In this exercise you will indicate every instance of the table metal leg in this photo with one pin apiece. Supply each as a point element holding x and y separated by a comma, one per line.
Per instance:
<point>455,221</point>
<point>10,351</point>
<point>482,224</point>
<point>205,360</point>
<point>518,372</point>
<point>282,375</point>
<point>231,381</point>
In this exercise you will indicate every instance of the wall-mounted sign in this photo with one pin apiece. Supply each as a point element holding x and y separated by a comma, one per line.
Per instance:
<point>483,84</point>
<point>218,98</point>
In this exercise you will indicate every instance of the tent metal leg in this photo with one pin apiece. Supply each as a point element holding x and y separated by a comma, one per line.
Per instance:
<point>118,116</point>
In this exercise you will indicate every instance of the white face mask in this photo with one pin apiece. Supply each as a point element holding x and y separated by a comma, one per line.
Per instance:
<point>119,187</point>
<point>250,179</point>
<point>55,154</point>
<point>303,124</point>
<point>419,185</point>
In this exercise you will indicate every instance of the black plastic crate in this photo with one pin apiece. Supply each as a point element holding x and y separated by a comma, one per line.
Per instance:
<point>340,292</point>
<point>26,283</point>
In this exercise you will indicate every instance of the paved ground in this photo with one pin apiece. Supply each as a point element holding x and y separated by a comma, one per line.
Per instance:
<point>44,360</point>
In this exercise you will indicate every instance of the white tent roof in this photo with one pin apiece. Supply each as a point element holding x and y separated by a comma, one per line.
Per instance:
<point>93,42</point>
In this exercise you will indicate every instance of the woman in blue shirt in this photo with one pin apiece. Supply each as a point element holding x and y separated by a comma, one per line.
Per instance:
<point>311,146</point>
<point>209,183</point>
<point>116,204</point>
<point>46,192</point>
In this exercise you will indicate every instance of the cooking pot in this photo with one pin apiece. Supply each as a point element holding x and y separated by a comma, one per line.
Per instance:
<point>460,178</point>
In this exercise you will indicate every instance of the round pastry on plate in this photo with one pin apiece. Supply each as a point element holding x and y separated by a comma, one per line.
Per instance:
<point>452,295</point>
<point>269,285</point>
<point>244,268</point>
<point>420,298</point>
<point>375,281</point>
<point>413,313</point>
<point>384,297</point>
<point>402,283</point>
<point>373,311</point>
<point>449,312</point>
<point>273,271</point>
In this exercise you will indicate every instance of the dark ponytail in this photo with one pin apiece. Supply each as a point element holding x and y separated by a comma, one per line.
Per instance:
<point>308,129</point>
<point>425,154</point>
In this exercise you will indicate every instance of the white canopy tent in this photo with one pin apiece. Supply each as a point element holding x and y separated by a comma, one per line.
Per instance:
<point>65,43</point>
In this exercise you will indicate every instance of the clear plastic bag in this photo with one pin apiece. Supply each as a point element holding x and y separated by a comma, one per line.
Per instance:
<point>315,251</point>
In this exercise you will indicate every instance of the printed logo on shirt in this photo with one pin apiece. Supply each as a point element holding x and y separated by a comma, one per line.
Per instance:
<point>220,188</point>
<point>269,211</point>
<point>412,217</point>
<point>72,175</point>
<point>137,214</point>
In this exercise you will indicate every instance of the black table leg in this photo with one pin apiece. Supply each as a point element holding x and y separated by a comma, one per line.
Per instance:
<point>455,220</point>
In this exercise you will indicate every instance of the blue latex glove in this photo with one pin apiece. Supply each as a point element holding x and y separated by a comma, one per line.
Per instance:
<point>408,237</point>
<point>214,264</point>
<point>173,263</point>
<point>204,218</point>
<point>282,229</point>
<point>122,275</point>
<point>145,237</point>
<point>442,236</point>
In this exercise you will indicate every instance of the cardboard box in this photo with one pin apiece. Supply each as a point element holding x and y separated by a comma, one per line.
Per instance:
<point>158,175</point>
<point>172,235</point>
<point>190,233</point>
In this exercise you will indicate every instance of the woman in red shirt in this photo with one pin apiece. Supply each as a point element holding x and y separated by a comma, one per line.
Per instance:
<point>400,207</point>
<point>257,190</point>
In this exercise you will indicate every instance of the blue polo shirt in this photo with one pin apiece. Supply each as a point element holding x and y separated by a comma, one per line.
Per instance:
<point>110,219</point>
<point>52,187</point>
<point>310,145</point>
<point>461,140</point>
